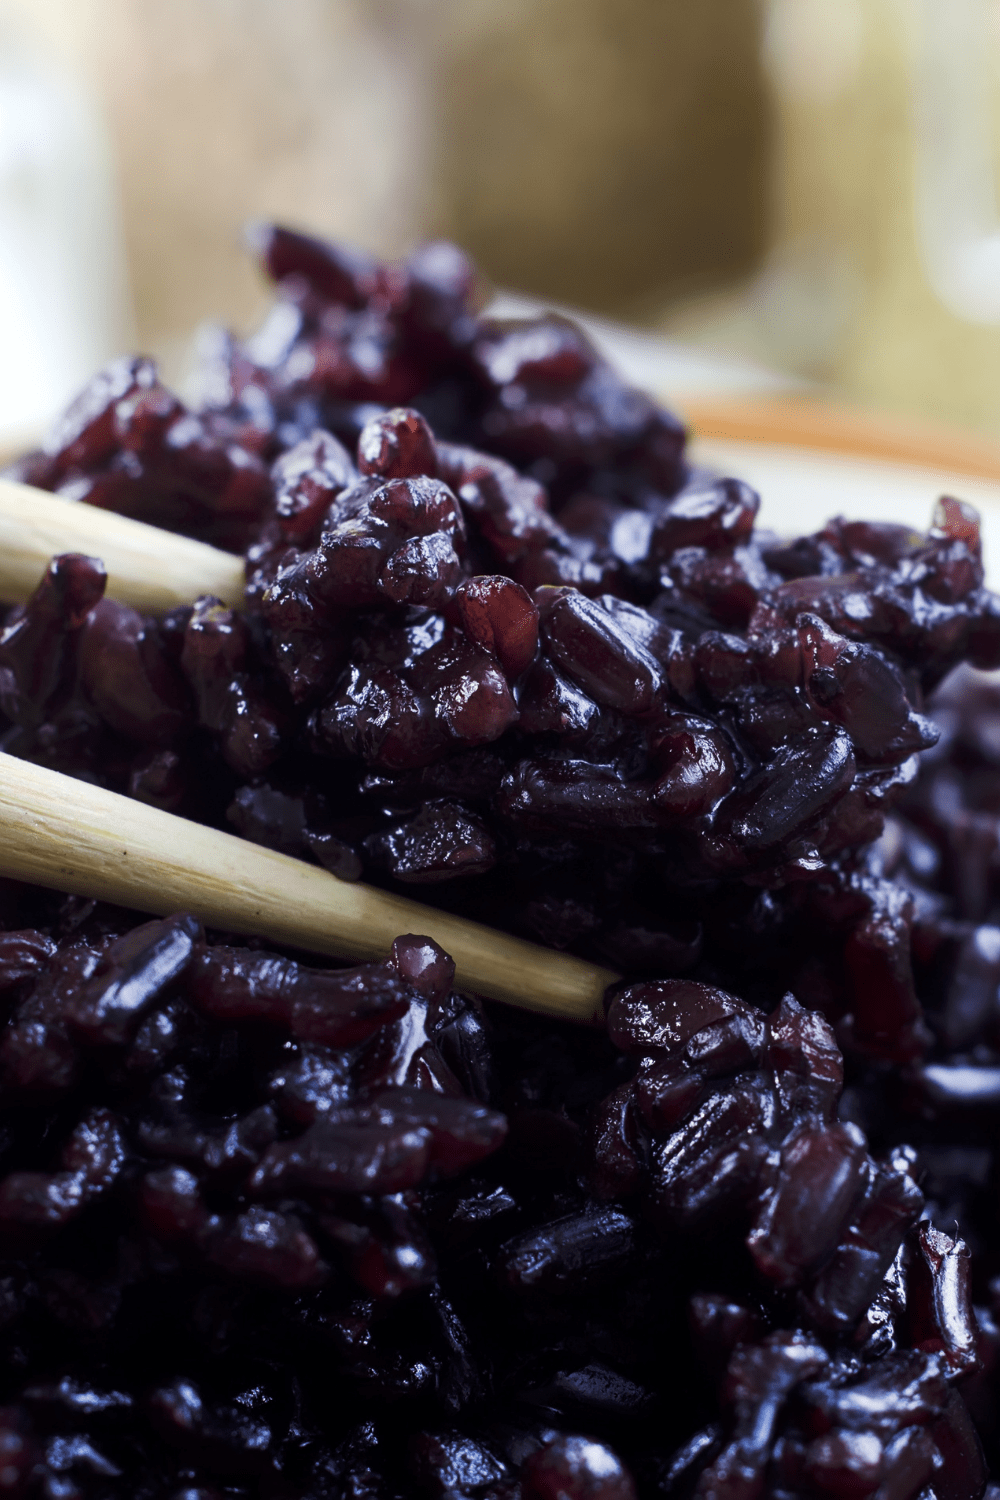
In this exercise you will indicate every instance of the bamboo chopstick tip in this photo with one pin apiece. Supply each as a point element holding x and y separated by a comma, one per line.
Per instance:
<point>166,864</point>
<point>151,569</point>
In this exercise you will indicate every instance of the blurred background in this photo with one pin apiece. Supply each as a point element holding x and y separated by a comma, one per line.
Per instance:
<point>781,194</point>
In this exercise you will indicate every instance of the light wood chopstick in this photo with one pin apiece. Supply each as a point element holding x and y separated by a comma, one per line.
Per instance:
<point>152,570</point>
<point>71,836</point>
<point>63,833</point>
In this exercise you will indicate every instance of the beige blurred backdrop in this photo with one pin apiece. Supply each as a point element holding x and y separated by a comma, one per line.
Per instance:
<point>882,275</point>
<point>808,183</point>
<point>603,152</point>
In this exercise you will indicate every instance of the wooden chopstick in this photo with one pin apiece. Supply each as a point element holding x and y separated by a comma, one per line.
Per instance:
<point>152,570</point>
<point>71,836</point>
<point>68,835</point>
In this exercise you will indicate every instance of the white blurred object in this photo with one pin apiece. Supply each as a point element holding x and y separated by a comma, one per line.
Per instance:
<point>64,306</point>
<point>813,48</point>
<point>957,208</point>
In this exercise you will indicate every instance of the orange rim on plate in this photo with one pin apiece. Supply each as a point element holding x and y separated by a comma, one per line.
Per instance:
<point>800,422</point>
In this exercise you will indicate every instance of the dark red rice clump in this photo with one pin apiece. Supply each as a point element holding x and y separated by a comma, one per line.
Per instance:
<point>268,1228</point>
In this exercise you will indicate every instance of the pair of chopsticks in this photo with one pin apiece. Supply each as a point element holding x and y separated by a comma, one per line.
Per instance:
<point>68,835</point>
<point>63,833</point>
